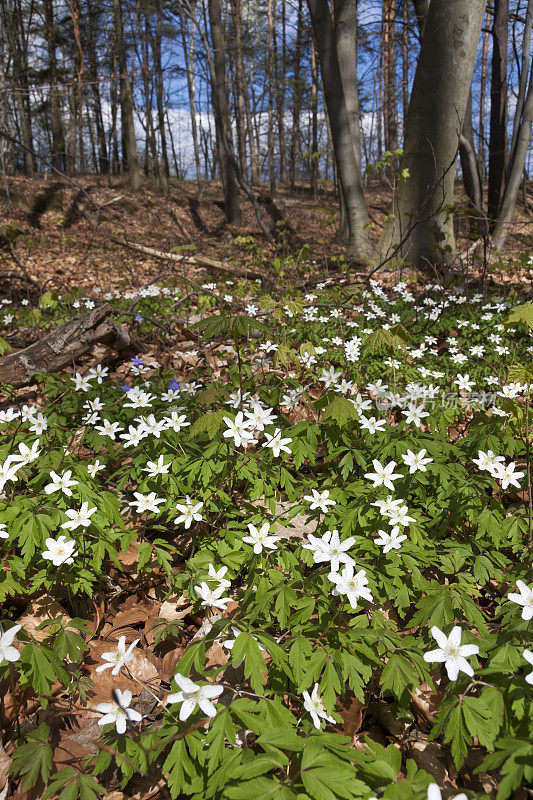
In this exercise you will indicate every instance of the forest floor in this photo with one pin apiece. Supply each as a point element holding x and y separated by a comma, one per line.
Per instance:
<point>142,573</point>
<point>63,232</point>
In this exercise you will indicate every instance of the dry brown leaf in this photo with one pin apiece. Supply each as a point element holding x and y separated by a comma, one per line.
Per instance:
<point>174,607</point>
<point>351,712</point>
<point>39,610</point>
<point>143,667</point>
<point>431,757</point>
<point>5,762</point>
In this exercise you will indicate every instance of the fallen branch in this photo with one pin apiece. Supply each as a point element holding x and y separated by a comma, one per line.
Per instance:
<point>197,261</point>
<point>63,346</point>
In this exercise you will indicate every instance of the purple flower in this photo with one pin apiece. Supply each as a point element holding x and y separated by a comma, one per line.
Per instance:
<point>174,385</point>
<point>126,387</point>
<point>137,361</point>
<point>138,318</point>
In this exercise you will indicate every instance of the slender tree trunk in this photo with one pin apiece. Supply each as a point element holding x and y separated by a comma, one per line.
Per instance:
<point>313,158</point>
<point>380,82</point>
<point>498,108</point>
<point>296,99</point>
<point>58,141</point>
<point>281,88</point>
<point>389,76</point>
<point>70,138</point>
<point>129,139</point>
<point>103,161</point>
<point>516,168</point>
<point>11,22</point>
<point>114,163</point>
<point>6,147</point>
<point>471,174</point>
<point>482,92</point>
<point>163,168</point>
<point>240,84</point>
<point>422,228</point>
<point>335,49</point>
<point>159,89</point>
<point>253,142</point>
<point>189,61</point>
<point>270,79</point>
<point>255,172</point>
<point>522,84</point>
<point>405,65</point>
<point>222,116</point>
<point>75,14</point>
<point>149,144</point>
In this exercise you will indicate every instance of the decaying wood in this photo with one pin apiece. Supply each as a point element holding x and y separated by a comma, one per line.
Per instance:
<point>63,346</point>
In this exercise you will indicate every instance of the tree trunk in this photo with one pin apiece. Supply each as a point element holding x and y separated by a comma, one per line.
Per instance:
<point>421,11</point>
<point>482,90</point>
<point>270,79</point>
<point>103,161</point>
<point>222,116</point>
<point>422,228</point>
<point>405,65</point>
<point>389,77</point>
<point>498,108</point>
<point>296,99</point>
<point>189,60</point>
<point>516,168</point>
<point>240,81</point>
<point>129,140</point>
<point>281,88</point>
<point>313,157</point>
<point>12,22</point>
<point>6,147</point>
<point>337,52</point>
<point>255,172</point>
<point>471,174</point>
<point>345,14</point>
<point>75,14</point>
<point>522,84</point>
<point>57,156</point>
<point>159,93</point>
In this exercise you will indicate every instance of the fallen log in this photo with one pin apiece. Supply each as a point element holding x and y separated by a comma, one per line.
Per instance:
<point>63,346</point>
<point>196,261</point>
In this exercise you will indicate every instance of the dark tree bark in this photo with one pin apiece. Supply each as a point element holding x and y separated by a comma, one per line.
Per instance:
<point>270,79</point>
<point>281,87</point>
<point>296,98</point>
<point>389,77</point>
<point>240,83</point>
<point>421,11</point>
<point>222,116</point>
<point>498,108</point>
<point>129,140</point>
<point>159,90</point>
<point>12,21</point>
<point>516,164</point>
<point>313,157</point>
<point>57,157</point>
<point>103,161</point>
<point>482,93</point>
